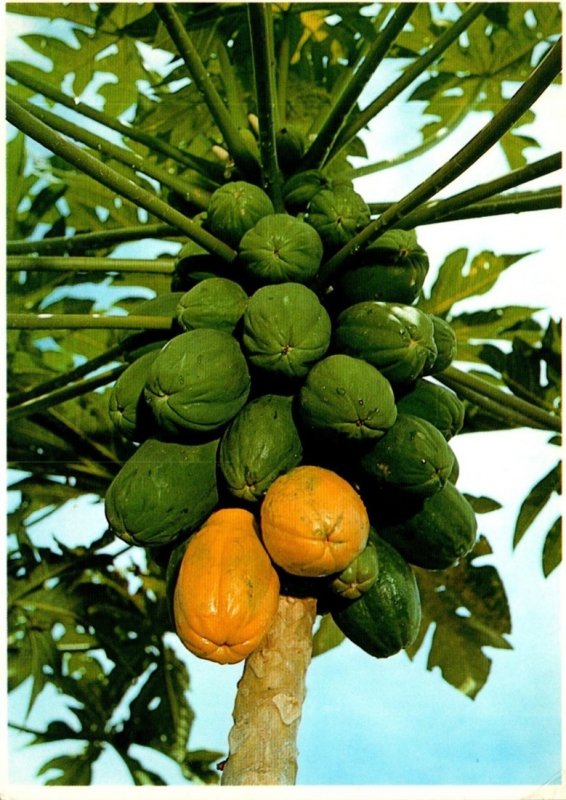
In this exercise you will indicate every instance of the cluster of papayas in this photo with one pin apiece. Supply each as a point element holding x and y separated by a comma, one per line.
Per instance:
<point>288,438</point>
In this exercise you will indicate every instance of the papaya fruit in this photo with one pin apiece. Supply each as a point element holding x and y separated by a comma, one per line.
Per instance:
<point>213,303</point>
<point>313,522</point>
<point>385,619</point>
<point>347,398</point>
<point>413,456</point>
<point>446,345</point>
<point>359,576</point>
<point>301,187</point>
<point>291,144</point>
<point>337,214</point>
<point>438,534</point>
<point>235,208</point>
<point>286,329</point>
<point>227,591</point>
<point>126,406</point>
<point>397,339</point>
<point>260,443</point>
<point>165,489</point>
<point>198,381</point>
<point>438,405</point>
<point>280,248</point>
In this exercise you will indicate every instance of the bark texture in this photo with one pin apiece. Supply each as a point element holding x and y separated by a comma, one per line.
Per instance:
<point>267,711</point>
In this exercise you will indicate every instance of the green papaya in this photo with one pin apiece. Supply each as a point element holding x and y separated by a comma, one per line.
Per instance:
<point>412,456</point>
<point>347,397</point>
<point>397,339</point>
<point>261,443</point>
<point>359,576</point>
<point>291,144</point>
<point>438,405</point>
<point>438,534</point>
<point>392,269</point>
<point>446,345</point>
<point>127,408</point>
<point>213,303</point>
<point>386,619</point>
<point>193,264</point>
<point>198,381</point>
<point>281,248</point>
<point>286,329</point>
<point>164,490</point>
<point>301,187</point>
<point>337,214</point>
<point>235,208</point>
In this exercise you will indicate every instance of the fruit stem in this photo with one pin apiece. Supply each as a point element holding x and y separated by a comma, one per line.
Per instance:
<point>154,266</point>
<point>193,194</point>
<point>356,122</point>
<point>501,122</point>
<point>30,125</point>
<point>201,165</point>
<point>506,401</point>
<point>316,155</point>
<point>271,692</point>
<point>189,53</point>
<point>263,57</point>
<point>91,241</point>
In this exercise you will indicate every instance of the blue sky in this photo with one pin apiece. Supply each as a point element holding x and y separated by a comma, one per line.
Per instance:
<point>391,722</point>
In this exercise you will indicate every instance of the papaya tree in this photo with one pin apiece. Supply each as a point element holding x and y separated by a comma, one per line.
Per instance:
<point>220,329</point>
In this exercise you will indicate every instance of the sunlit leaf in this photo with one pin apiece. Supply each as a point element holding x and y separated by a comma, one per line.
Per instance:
<point>552,548</point>
<point>535,501</point>
<point>482,505</point>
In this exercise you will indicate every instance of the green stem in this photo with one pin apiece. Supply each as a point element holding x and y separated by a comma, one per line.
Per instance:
<point>113,180</point>
<point>521,101</point>
<point>46,401</point>
<point>127,345</point>
<point>85,321</point>
<point>358,121</point>
<point>457,380</point>
<point>508,416</point>
<point>96,240</point>
<point>316,155</point>
<point>263,58</point>
<point>483,191</point>
<point>155,266</point>
<point>155,144</point>
<point>194,194</point>
<point>188,52</point>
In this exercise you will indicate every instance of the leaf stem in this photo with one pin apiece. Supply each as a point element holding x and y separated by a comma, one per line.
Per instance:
<point>517,177</point>
<point>153,266</point>
<point>95,240</point>
<point>318,152</point>
<point>458,380</point>
<point>525,96</point>
<point>263,59</point>
<point>46,401</point>
<point>113,180</point>
<point>85,321</point>
<point>189,53</point>
<point>194,194</point>
<point>356,122</point>
<point>132,132</point>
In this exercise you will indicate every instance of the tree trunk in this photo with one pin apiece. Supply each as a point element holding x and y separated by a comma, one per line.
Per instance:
<point>267,711</point>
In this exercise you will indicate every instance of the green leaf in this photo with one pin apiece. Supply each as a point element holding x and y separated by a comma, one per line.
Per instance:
<point>82,13</point>
<point>535,501</point>
<point>552,548</point>
<point>458,280</point>
<point>19,184</point>
<point>468,608</point>
<point>327,636</point>
<point>482,505</point>
<point>75,770</point>
<point>140,774</point>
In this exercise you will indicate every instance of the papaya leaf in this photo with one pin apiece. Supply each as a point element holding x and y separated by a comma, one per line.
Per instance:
<point>140,774</point>
<point>81,13</point>
<point>468,607</point>
<point>457,279</point>
<point>75,770</point>
<point>535,501</point>
<point>482,505</point>
<point>327,636</point>
<point>19,183</point>
<point>552,548</point>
